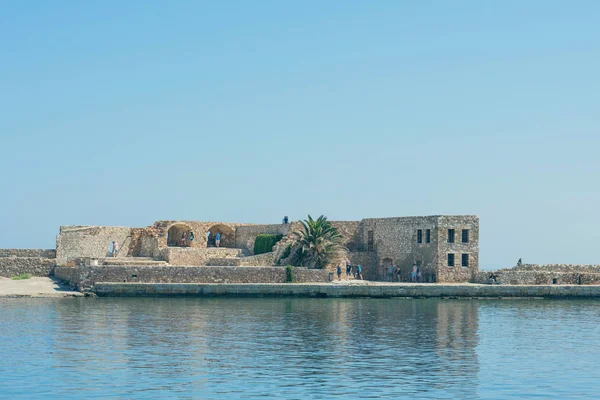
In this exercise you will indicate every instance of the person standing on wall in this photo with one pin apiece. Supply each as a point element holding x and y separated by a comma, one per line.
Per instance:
<point>348,270</point>
<point>286,219</point>
<point>218,239</point>
<point>208,235</point>
<point>419,274</point>
<point>391,272</point>
<point>183,239</point>
<point>115,249</point>
<point>339,272</point>
<point>413,274</point>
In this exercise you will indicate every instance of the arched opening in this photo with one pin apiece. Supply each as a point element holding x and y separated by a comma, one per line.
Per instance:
<point>180,235</point>
<point>384,270</point>
<point>220,236</point>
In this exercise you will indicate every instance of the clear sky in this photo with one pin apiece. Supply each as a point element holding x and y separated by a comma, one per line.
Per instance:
<point>127,112</point>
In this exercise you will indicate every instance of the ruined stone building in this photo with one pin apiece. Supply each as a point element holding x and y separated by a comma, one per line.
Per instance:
<point>445,248</point>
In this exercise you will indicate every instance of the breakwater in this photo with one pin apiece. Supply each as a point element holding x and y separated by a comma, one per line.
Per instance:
<point>334,290</point>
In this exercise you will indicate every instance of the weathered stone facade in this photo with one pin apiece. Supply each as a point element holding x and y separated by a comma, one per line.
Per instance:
<point>85,277</point>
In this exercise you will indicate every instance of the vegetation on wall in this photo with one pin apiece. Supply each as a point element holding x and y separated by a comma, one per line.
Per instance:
<point>286,252</point>
<point>264,243</point>
<point>319,243</point>
<point>289,274</point>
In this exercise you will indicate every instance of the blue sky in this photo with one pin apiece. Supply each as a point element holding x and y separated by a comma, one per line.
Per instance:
<point>123,113</point>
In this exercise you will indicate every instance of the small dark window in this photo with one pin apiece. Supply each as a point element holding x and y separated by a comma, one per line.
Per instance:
<point>428,236</point>
<point>465,236</point>
<point>465,260</point>
<point>450,235</point>
<point>420,236</point>
<point>370,241</point>
<point>451,260</point>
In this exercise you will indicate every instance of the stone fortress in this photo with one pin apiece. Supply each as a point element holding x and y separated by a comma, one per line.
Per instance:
<point>445,248</point>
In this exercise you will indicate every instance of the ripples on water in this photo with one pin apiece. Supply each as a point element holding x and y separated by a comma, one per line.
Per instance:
<point>298,348</point>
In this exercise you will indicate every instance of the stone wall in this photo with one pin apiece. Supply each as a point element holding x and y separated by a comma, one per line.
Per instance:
<point>395,240</point>
<point>452,291</point>
<point>195,256</point>
<point>90,241</point>
<point>532,274</point>
<point>36,266</point>
<point>246,235</point>
<point>266,259</point>
<point>42,253</point>
<point>85,277</point>
<point>458,273</point>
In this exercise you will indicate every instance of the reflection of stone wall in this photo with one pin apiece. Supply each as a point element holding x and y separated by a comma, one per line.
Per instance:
<point>36,266</point>
<point>85,277</point>
<point>43,253</point>
<point>531,274</point>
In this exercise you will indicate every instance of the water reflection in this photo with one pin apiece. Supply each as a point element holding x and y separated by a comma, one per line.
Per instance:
<point>250,348</point>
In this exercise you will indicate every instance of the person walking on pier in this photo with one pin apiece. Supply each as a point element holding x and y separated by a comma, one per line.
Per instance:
<point>413,274</point>
<point>218,239</point>
<point>391,273</point>
<point>339,272</point>
<point>348,270</point>
<point>359,272</point>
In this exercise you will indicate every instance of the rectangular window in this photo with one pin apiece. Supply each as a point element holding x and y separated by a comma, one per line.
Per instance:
<point>465,236</point>
<point>370,241</point>
<point>428,236</point>
<point>465,260</point>
<point>420,236</point>
<point>450,235</point>
<point>451,260</point>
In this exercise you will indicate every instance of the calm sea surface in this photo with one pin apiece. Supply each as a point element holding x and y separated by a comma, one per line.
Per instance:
<point>299,348</point>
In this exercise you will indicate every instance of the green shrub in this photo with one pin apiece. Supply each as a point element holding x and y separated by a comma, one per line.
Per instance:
<point>20,277</point>
<point>289,274</point>
<point>264,243</point>
<point>286,252</point>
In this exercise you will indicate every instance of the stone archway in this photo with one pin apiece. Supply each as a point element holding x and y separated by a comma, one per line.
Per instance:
<point>178,235</point>
<point>384,268</point>
<point>226,233</point>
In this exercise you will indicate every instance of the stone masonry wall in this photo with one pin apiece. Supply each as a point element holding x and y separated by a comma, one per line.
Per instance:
<point>43,253</point>
<point>85,277</point>
<point>458,273</point>
<point>90,241</point>
<point>395,240</point>
<point>36,266</point>
<point>246,235</point>
<point>533,274</point>
<point>196,256</point>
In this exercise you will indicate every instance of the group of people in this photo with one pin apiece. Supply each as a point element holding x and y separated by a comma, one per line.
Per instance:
<point>213,240</point>
<point>354,271</point>
<point>187,238</point>
<point>394,274</point>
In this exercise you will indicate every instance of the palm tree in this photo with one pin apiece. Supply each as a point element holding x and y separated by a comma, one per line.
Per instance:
<point>319,242</point>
